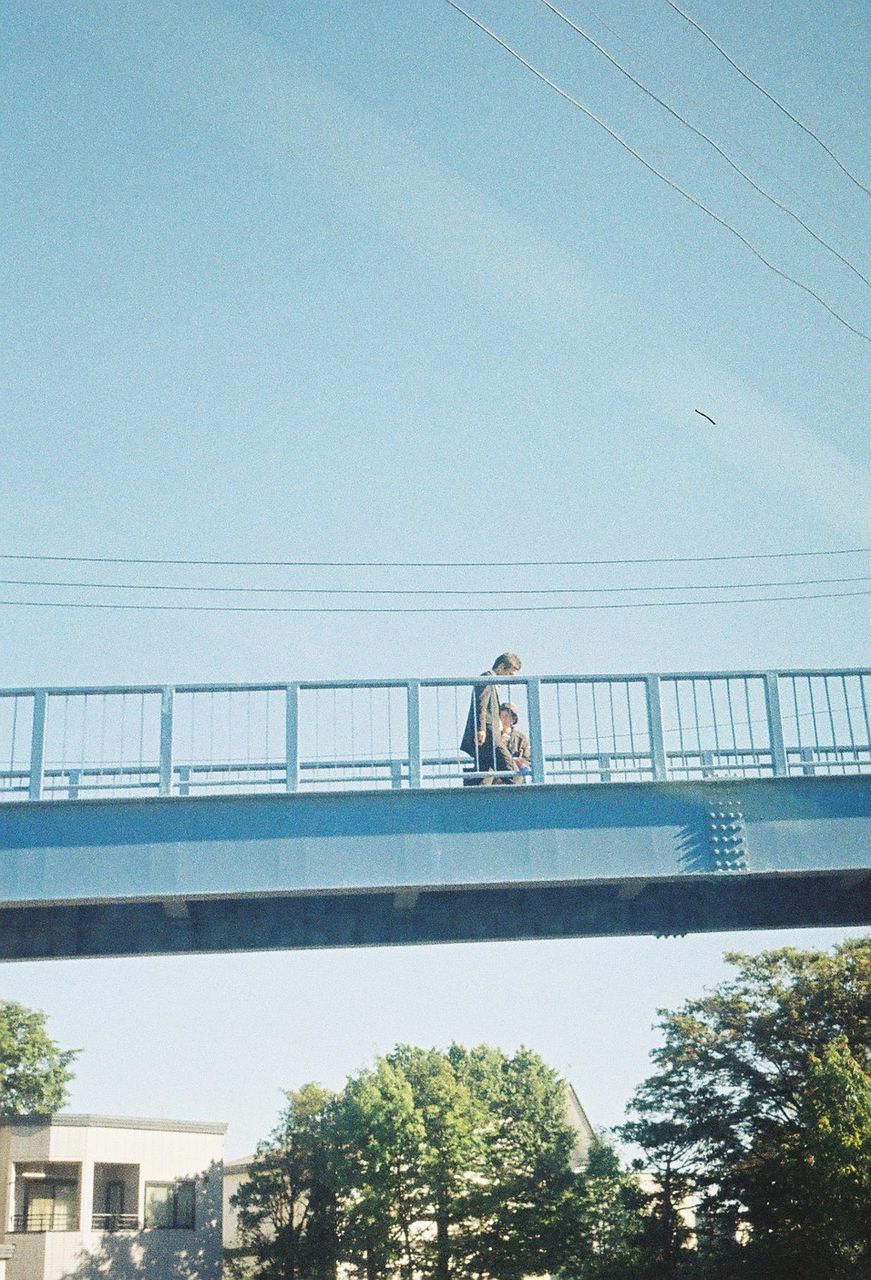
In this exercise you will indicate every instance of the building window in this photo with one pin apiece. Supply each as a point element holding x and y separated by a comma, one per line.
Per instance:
<point>169,1204</point>
<point>51,1206</point>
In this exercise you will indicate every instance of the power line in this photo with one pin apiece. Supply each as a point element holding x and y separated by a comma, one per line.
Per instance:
<point>784,275</point>
<point>429,591</point>
<point>770,96</point>
<point>453,609</point>
<point>764,164</point>
<point>700,133</point>
<point>437,564</point>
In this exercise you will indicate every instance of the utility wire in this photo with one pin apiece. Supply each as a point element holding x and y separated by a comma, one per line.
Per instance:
<point>730,160</point>
<point>430,591</point>
<point>770,96</point>
<point>438,564</point>
<point>454,609</point>
<point>703,107</point>
<point>658,172</point>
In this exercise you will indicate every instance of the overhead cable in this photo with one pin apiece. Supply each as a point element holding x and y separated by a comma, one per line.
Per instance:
<point>453,609</point>
<point>439,564</point>
<point>764,164</point>
<point>700,133</point>
<point>770,96</point>
<point>579,106</point>
<point>503,593</point>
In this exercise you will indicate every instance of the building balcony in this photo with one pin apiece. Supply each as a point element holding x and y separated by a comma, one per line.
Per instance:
<point>42,1222</point>
<point>115,1222</point>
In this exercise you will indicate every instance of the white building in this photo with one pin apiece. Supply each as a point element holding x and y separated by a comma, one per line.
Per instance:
<point>86,1196</point>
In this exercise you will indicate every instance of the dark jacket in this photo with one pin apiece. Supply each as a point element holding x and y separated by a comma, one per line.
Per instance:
<point>483,714</point>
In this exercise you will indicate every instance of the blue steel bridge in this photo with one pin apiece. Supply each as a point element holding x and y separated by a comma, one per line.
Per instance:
<point>161,819</point>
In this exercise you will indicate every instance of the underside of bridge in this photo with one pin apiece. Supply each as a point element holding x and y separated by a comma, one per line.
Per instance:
<point>206,874</point>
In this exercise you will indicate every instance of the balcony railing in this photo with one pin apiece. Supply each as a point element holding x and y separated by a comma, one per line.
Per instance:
<point>48,1221</point>
<point>69,744</point>
<point>115,1222</point>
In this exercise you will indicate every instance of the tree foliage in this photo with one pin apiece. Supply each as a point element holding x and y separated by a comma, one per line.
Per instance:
<point>287,1207</point>
<point>34,1071</point>
<point>428,1164</point>
<point>758,1109</point>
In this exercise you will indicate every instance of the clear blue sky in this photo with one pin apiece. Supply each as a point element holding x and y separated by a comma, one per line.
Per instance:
<point>342,281</point>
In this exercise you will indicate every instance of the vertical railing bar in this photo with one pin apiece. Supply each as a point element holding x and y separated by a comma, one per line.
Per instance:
<point>37,745</point>
<point>536,741</point>
<point>750,722</point>
<point>438,751</point>
<point>850,729</point>
<point>810,689</point>
<point>354,773</point>
<point>559,724</point>
<point>64,730</point>
<point>593,691</point>
<point>613,717</point>
<point>714,719</point>
<point>141,735</point>
<point>775,725</point>
<point>798,717</point>
<point>84,759</point>
<point>413,712</point>
<point>166,708</point>
<point>335,732</point>
<point>268,756</point>
<point>698,728</point>
<point>629,714</point>
<point>578,722</point>
<point>390,734</point>
<point>190,700</point>
<point>291,737</point>
<point>832,724</point>
<point>373,772</point>
<point>14,733</point>
<point>654,727</point>
<point>122,753</point>
<point>731,715</point>
<point>100,767</point>
<point>680,738</point>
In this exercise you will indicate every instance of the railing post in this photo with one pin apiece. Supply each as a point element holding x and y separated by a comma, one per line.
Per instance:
<point>291,737</point>
<point>37,745</point>
<point>775,725</point>
<point>414,769</point>
<point>654,727</point>
<point>536,737</point>
<point>166,698</point>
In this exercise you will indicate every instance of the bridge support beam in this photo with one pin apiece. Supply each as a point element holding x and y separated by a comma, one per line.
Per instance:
<point>134,877</point>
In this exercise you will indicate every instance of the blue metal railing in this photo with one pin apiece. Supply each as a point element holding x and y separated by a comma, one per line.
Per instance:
<point>182,740</point>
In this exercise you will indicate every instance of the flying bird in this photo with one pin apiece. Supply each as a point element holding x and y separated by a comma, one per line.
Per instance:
<point>705,415</point>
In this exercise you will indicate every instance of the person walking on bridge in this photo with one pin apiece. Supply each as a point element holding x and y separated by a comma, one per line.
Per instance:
<point>515,739</point>
<point>484,738</point>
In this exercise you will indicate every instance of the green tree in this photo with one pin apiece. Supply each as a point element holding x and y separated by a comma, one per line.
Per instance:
<point>516,1200</point>
<point>758,1106</point>
<point>288,1206</point>
<point>34,1071</point>
<point>606,1233</point>
<point>381,1141</point>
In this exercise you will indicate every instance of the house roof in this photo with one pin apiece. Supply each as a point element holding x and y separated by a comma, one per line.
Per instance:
<point>68,1119</point>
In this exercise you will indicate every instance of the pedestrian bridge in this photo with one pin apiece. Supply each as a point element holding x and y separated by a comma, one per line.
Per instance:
<point>160,819</point>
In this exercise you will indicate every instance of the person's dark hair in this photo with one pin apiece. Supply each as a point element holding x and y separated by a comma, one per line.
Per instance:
<point>507,660</point>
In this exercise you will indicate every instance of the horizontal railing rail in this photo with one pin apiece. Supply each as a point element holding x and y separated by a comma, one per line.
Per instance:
<point>42,1222</point>
<point>198,739</point>
<point>114,1222</point>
